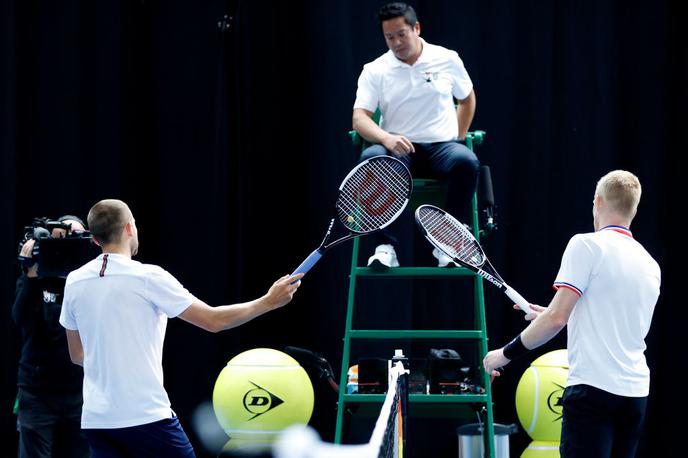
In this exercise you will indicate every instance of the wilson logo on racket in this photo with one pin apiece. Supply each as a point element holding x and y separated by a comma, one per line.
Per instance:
<point>448,235</point>
<point>259,401</point>
<point>488,277</point>
<point>373,190</point>
<point>371,196</point>
<point>444,233</point>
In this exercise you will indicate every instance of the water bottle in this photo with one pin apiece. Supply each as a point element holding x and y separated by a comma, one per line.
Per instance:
<point>398,357</point>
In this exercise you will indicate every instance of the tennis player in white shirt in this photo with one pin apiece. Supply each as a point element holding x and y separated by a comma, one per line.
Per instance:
<point>607,288</point>
<point>115,311</point>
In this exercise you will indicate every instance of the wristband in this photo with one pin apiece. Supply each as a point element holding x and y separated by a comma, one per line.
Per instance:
<point>514,349</point>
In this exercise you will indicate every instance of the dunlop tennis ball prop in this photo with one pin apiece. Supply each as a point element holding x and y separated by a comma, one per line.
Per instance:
<point>539,396</point>
<point>260,392</point>
<point>254,444</point>
<point>541,449</point>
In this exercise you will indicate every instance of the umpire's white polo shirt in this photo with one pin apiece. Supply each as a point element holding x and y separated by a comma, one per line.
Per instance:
<point>120,308</point>
<point>416,100</point>
<point>618,284</point>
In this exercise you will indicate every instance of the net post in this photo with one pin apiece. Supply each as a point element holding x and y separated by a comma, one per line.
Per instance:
<point>403,386</point>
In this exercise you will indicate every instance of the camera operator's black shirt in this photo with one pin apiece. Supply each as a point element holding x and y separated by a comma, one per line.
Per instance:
<point>44,365</point>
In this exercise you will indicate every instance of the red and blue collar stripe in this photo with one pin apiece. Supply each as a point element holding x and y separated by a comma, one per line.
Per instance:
<point>104,266</point>
<point>619,229</point>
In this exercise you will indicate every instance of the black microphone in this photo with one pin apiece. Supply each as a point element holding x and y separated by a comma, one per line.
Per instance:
<point>488,195</point>
<point>486,185</point>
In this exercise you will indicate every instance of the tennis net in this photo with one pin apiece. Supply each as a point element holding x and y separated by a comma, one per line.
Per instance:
<point>388,439</point>
<point>389,435</point>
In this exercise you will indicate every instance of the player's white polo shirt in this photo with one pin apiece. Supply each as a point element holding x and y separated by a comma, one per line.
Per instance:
<point>416,100</point>
<point>618,284</point>
<point>120,308</point>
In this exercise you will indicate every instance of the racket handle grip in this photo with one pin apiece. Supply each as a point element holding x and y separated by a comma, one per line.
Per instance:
<point>517,298</point>
<point>308,262</point>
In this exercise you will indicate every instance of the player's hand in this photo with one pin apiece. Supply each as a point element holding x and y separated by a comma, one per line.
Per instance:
<point>282,291</point>
<point>27,249</point>
<point>27,252</point>
<point>494,360</point>
<point>399,145</point>
<point>537,310</point>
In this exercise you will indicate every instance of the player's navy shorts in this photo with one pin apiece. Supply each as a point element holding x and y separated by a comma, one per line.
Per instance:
<point>600,424</point>
<point>164,438</point>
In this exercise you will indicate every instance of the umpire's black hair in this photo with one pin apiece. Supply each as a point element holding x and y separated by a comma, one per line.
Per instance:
<point>397,9</point>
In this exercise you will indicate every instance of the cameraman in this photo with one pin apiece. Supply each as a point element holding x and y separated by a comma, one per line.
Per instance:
<point>49,399</point>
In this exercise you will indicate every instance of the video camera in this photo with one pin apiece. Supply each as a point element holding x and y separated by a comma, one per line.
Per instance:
<point>56,256</point>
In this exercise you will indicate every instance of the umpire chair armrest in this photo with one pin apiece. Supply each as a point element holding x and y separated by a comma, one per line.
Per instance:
<point>472,139</point>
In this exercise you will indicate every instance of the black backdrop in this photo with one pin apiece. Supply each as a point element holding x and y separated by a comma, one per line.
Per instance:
<point>228,146</point>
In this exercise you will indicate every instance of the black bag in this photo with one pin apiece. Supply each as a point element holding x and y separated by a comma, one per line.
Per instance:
<point>372,375</point>
<point>445,371</point>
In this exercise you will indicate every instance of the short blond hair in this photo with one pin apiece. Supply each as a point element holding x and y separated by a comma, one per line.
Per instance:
<point>107,218</point>
<point>620,190</point>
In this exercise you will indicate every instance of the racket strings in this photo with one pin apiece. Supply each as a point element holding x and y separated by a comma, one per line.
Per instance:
<point>395,174</point>
<point>452,236</point>
<point>387,174</point>
<point>374,195</point>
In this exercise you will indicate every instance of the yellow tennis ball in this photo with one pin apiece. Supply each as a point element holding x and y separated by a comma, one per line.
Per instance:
<point>350,219</point>
<point>255,444</point>
<point>539,394</point>
<point>541,449</point>
<point>260,392</point>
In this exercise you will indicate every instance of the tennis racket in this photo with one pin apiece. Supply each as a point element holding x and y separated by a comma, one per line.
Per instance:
<point>370,198</point>
<point>456,241</point>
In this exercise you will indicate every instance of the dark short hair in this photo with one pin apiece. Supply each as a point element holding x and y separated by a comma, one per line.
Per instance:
<point>395,10</point>
<point>106,220</point>
<point>64,218</point>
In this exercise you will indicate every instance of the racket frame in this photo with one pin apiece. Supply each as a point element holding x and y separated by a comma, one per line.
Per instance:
<point>490,274</point>
<point>316,254</point>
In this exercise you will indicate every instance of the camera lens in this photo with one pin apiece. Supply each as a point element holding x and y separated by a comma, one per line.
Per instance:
<point>41,233</point>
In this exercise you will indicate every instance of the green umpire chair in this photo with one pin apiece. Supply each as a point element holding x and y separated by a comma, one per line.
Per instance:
<point>432,191</point>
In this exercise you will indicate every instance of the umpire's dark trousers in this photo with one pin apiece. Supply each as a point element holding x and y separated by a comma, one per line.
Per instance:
<point>598,424</point>
<point>452,161</point>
